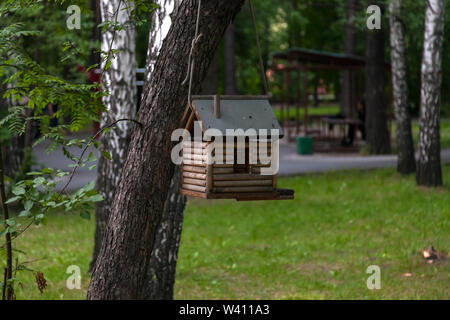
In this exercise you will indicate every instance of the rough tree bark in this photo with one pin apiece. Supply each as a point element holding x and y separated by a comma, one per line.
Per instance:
<point>120,80</point>
<point>429,172</point>
<point>163,261</point>
<point>405,148</point>
<point>378,138</point>
<point>230,61</point>
<point>348,91</point>
<point>162,267</point>
<point>121,270</point>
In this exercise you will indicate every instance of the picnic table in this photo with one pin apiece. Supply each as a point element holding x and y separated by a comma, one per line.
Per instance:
<point>326,123</point>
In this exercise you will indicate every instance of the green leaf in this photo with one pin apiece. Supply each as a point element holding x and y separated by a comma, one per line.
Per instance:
<point>106,154</point>
<point>18,190</point>
<point>34,173</point>
<point>95,198</point>
<point>13,199</point>
<point>107,65</point>
<point>24,213</point>
<point>51,204</point>
<point>47,170</point>
<point>91,193</point>
<point>62,174</point>
<point>85,215</point>
<point>4,231</point>
<point>89,186</point>
<point>38,181</point>
<point>28,205</point>
<point>38,218</point>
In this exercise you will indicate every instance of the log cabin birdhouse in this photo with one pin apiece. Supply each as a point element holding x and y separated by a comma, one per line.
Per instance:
<point>236,154</point>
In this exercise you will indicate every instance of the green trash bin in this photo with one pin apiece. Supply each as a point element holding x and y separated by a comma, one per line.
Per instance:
<point>304,145</point>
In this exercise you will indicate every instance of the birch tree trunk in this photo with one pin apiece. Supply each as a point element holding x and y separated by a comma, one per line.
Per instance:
<point>405,148</point>
<point>378,138</point>
<point>125,253</point>
<point>429,172</point>
<point>120,80</point>
<point>163,261</point>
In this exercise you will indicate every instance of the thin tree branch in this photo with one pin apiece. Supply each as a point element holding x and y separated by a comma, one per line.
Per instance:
<point>8,276</point>
<point>88,145</point>
<point>78,164</point>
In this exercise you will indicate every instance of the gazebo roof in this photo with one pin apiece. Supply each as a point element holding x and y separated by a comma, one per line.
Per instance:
<point>237,114</point>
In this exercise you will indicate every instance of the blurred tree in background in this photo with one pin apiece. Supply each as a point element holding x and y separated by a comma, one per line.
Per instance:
<point>310,24</point>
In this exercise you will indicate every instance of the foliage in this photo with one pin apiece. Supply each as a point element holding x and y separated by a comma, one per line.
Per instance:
<point>283,25</point>
<point>39,63</point>
<point>319,25</point>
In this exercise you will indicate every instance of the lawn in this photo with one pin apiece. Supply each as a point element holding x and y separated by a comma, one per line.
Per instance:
<point>317,246</point>
<point>323,110</point>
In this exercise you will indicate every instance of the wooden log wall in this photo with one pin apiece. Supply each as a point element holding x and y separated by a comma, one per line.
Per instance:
<point>194,173</point>
<point>198,176</point>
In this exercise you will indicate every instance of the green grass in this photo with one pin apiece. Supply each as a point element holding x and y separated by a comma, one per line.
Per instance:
<point>317,246</point>
<point>312,111</point>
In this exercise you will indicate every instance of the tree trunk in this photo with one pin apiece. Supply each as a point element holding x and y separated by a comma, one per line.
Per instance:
<point>8,290</point>
<point>163,261</point>
<point>125,254</point>
<point>211,81</point>
<point>378,138</point>
<point>230,61</point>
<point>94,56</point>
<point>120,80</point>
<point>348,91</point>
<point>161,272</point>
<point>14,148</point>
<point>429,172</point>
<point>406,161</point>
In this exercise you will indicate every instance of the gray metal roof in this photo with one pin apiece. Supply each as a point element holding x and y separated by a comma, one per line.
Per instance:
<point>237,114</point>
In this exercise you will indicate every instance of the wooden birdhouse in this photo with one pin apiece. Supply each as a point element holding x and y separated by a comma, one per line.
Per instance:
<point>225,161</point>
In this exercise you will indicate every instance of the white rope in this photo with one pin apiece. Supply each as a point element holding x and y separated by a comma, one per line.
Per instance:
<point>191,60</point>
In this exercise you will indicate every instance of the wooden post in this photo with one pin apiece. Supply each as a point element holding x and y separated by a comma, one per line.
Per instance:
<point>283,83</point>
<point>209,179</point>
<point>351,94</point>
<point>305,93</point>
<point>360,86</point>
<point>217,106</point>
<point>297,105</point>
<point>288,83</point>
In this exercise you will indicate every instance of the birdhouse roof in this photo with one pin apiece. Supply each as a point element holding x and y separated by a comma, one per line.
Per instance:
<point>237,114</point>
